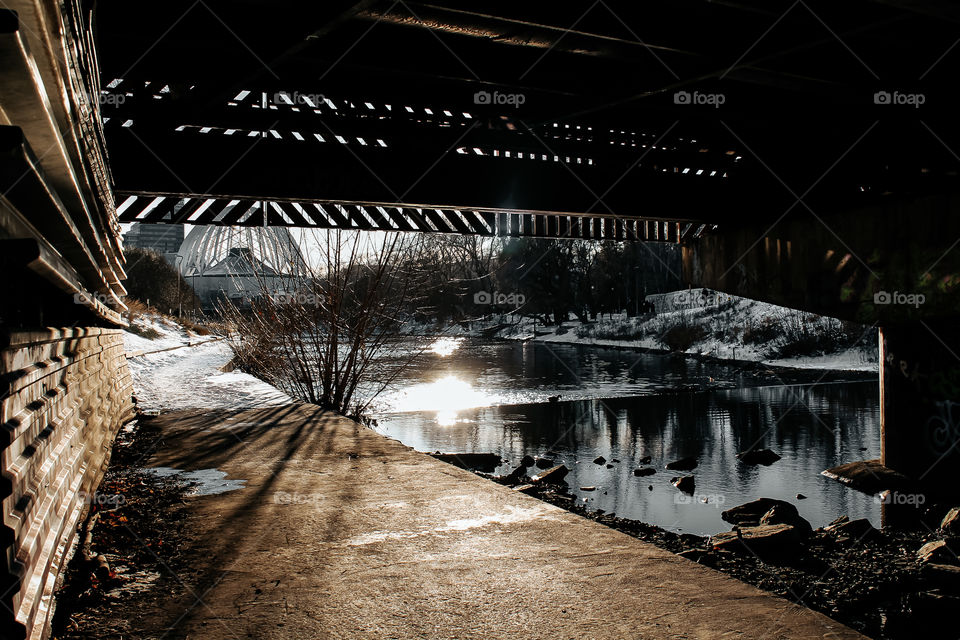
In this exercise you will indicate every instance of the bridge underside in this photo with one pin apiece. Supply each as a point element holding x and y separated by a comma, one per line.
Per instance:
<point>687,113</point>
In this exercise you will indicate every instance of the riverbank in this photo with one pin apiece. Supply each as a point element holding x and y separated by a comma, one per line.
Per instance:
<point>872,580</point>
<point>336,531</point>
<point>163,545</point>
<point>701,323</point>
<point>318,523</point>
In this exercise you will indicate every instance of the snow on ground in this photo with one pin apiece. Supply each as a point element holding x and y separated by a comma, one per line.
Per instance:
<point>191,377</point>
<point>722,326</point>
<point>167,333</point>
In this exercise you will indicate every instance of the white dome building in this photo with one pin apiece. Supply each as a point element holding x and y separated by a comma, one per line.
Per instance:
<point>239,263</point>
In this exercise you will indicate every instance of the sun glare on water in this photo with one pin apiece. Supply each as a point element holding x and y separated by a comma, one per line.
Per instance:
<point>445,346</point>
<point>447,396</point>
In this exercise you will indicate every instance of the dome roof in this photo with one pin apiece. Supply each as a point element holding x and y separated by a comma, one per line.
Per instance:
<point>240,251</point>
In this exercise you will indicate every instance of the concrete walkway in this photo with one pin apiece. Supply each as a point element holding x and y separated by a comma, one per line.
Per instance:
<point>343,533</point>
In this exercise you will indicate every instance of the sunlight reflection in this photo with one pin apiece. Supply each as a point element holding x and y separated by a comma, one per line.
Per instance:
<point>447,396</point>
<point>446,418</point>
<point>445,346</point>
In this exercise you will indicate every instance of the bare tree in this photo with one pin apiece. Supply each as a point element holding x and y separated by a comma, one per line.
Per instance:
<point>319,336</point>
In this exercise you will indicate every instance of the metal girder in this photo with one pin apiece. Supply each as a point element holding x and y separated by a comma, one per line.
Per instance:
<point>221,211</point>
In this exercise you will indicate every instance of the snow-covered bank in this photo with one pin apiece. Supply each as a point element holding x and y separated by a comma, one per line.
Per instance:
<point>189,378</point>
<point>706,323</point>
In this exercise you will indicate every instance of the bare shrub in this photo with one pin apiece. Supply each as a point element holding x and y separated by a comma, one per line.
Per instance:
<point>681,336</point>
<point>319,339</point>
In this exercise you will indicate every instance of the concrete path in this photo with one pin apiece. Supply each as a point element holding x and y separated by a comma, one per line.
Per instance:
<point>343,533</point>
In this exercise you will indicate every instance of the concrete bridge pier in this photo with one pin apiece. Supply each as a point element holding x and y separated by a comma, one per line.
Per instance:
<point>920,400</point>
<point>893,265</point>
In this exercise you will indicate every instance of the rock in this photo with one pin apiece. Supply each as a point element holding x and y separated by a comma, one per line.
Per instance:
<point>588,488</point>
<point>687,484</point>
<point>599,460</point>
<point>684,464</point>
<point>517,475</point>
<point>649,487</point>
<point>527,461</point>
<point>554,475</point>
<point>692,554</point>
<point>644,471</point>
<point>645,460</point>
<point>544,463</point>
<point>951,522</point>
<point>869,476</point>
<point>839,520</point>
<point>750,513</point>
<point>800,496</point>
<point>766,541</point>
<point>766,457</point>
<point>615,461</point>
<point>476,461</point>
<point>786,513</point>
<point>529,489</point>
<point>860,529</point>
<point>937,552</point>
<point>944,576</point>
<point>936,609</point>
<point>609,466</point>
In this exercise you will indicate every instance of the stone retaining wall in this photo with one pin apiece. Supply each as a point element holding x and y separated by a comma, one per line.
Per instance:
<point>64,395</point>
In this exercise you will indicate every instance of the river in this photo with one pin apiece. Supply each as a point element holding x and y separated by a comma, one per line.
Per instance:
<point>474,395</point>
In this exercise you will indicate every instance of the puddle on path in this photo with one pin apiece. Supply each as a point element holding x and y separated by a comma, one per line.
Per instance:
<point>206,482</point>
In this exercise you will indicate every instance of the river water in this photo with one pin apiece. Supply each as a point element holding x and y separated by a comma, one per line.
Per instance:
<point>473,395</point>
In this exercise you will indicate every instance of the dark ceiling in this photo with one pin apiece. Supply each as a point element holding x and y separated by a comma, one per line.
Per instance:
<point>727,112</point>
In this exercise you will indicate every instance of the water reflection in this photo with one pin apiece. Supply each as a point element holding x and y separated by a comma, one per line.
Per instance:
<point>445,346</point>
<point>491,398</point>
<point>446,396</point>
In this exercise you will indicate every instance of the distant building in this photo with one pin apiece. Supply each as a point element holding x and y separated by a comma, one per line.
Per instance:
<point>162,238</point>
<point>239,263</point>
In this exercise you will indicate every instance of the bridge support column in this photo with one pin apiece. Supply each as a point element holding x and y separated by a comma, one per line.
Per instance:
<point>920,400</point>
